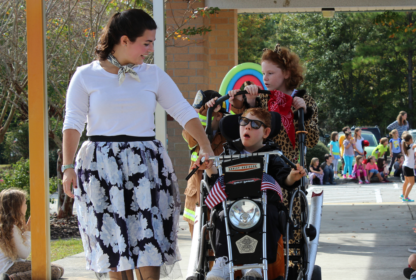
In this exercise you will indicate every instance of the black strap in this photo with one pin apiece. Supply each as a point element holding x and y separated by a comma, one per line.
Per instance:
<point>119,138</point>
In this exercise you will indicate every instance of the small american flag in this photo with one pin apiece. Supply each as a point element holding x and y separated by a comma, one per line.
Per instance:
<point>218,195</point>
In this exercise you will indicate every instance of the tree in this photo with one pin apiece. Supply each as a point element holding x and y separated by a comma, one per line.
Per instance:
<point>401,29</point>
<point>256,32</point>
<point>355,72</point>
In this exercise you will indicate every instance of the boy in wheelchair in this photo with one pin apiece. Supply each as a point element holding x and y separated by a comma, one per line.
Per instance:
<point>254,129</point>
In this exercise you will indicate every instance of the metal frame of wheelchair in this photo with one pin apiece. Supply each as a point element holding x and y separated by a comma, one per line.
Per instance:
<point>206,228</point>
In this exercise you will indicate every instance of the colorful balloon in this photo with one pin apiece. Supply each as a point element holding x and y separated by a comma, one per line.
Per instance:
<point>240,74</point>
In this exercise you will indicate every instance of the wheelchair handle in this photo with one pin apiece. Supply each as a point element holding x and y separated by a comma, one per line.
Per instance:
<point>194,170</point>
<point>219,101</point>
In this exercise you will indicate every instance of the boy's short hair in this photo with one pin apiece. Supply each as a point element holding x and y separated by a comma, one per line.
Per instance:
<point>384,139</point>
<point>327,156</point>
<point>345,129</point>
<point>333,135</point>
<point>260,113</point>
<point>347,134</point>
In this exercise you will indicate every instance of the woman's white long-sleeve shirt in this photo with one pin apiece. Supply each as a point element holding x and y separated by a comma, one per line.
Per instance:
<point>22,245</point>
<point>95,97</point>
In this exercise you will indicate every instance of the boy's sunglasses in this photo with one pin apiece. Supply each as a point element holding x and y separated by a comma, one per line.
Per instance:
<point>255,124</point>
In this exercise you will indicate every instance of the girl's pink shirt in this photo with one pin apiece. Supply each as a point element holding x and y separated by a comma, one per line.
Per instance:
<point>370,166</point>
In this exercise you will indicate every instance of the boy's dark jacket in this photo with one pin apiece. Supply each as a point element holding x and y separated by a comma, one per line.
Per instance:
<point>279,170</point>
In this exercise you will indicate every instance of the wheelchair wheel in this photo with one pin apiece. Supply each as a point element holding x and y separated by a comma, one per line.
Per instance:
<point>316,274</point>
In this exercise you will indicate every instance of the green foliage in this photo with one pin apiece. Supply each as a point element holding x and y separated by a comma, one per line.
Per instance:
<point>16,144</point>
<point>256,32</point>
<point>53,184</point>
<point>18,177</point>
<point>355,70</point>
<point>318,151</point>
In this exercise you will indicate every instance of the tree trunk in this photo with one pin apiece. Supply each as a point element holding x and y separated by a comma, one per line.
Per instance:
<point>65,203</point>
<point>410,76</point>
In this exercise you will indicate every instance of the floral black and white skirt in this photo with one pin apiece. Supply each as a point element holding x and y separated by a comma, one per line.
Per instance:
<point>128,205</point>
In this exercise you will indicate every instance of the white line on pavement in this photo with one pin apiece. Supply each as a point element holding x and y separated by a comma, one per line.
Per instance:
<point>378,196</point>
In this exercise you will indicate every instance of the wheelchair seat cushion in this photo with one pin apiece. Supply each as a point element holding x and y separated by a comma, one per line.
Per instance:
<point>230,128</point>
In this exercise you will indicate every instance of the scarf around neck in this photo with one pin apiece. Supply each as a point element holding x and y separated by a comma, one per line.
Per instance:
<point>123,70</point>
<point>281,103</point>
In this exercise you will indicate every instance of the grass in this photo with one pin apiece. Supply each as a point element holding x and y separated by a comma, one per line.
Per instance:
<point>64,248</point>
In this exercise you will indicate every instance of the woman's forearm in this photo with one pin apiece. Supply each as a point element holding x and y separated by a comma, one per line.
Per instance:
<point>195,128</point>
<point>70,143</point>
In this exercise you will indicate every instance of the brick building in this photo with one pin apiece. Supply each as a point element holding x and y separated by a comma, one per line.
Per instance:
<point>201,64</point>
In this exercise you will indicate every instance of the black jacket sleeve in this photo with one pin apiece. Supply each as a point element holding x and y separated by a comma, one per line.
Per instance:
<point>279,170</point>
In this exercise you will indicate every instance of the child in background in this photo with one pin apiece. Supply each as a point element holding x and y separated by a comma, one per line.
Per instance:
<point>334,152</point>
<point>395,147</point>
<point>15,244</point>
<point>316,174</point>
<point>381,148</point>
<point>359,170</point>
<point>359,148</point>
<point>398,170</point>
<point>372,169</point>
<point>349,144</point>
<point>327,167</point>
<point>408,166</point>
<point>382,169</point>
<point>341,146</point>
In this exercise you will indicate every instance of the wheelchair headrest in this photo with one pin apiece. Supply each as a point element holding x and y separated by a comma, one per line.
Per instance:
<point>230,128</point>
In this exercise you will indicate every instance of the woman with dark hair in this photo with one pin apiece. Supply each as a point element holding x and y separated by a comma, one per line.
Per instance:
<point>401,123</point>
<point>126,191</point>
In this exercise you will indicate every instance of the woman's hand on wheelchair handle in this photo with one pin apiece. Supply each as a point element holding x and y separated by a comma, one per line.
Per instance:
<point>206,153</point>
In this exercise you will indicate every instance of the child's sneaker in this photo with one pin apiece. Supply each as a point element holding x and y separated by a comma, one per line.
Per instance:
<point>409,200</point>
<point>344,176</point>
<point>360,182</point>
<point>367,182</point>
<point>253,272</point>
<point>351,177</point>
<point>220,270</point>
<point>401,197</point>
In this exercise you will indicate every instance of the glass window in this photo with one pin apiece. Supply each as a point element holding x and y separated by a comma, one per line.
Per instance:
<point>370,138</point>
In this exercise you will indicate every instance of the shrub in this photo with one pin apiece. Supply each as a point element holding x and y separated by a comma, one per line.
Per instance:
<point>18,177</point>
<point>318,151</point>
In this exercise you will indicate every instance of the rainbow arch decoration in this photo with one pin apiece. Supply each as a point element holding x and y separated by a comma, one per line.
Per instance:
<point>240,74</point>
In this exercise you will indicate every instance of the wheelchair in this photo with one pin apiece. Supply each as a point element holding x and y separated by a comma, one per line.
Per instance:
<point>245,216</point>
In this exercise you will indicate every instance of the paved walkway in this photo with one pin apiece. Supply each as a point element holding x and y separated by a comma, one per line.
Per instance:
<point>365,234</point>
